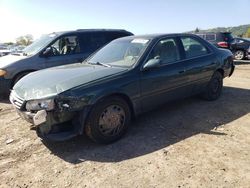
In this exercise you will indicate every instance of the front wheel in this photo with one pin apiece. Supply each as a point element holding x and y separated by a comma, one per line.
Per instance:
<point>214,87</point>
<point>108,120</point>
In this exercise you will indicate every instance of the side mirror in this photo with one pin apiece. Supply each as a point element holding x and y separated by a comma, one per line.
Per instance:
<point>151,64</point>
<point>47,52</point>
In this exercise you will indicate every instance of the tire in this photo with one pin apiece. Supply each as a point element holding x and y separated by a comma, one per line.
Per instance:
<point>214,87</point>
<point>239,55</point>
<point>108,120</point>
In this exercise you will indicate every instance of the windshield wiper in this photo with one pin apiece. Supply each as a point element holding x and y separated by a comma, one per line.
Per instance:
<point>98,63</point>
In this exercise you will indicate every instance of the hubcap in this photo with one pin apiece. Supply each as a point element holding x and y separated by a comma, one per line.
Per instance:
<point>239,55</point>
<point>112,120</point>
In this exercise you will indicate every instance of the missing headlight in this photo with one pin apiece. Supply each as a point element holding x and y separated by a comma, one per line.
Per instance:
<point>45,104</point>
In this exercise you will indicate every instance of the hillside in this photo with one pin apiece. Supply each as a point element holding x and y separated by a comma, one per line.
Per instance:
<point>236,31</point>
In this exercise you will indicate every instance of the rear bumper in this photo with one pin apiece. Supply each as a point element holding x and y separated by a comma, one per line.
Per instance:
<point>5,85</point>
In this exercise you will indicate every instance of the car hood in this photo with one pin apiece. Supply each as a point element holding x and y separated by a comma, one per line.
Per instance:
<point>10,59</point>
<point>50,82</point>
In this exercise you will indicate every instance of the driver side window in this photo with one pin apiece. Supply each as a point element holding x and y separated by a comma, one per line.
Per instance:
<point>65,46</point>
<point>166,51</point>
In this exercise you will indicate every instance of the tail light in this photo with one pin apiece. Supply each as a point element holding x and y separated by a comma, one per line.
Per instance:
<point>223,44</point>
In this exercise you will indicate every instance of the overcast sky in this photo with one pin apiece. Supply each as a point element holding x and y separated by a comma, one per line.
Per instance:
<point>20,17</point>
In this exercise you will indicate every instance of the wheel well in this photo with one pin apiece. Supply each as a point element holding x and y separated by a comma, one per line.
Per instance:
<point>18,75</point>
<point>124,97</point>
<point>221,71</point>
<point>240,49</point>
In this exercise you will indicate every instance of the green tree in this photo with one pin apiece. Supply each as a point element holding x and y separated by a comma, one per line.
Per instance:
<point>197,30</point>
<point>25,40</point>
<point>247,35</point>
<point>9,43</point>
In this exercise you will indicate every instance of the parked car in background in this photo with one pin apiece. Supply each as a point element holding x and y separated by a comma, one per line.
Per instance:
<point>248,53</point>
<point>17,50</point>
<point>4,51</point>
<point>219,39</point>
<point>239,47</point>
<point>128,76</point>
<point>54,49</point>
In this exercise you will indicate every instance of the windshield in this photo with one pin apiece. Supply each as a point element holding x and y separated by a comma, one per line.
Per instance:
<point>39,44</point>
<point>123,53</point>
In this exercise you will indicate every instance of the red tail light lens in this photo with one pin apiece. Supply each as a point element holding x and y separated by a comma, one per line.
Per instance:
<point>223,44</point>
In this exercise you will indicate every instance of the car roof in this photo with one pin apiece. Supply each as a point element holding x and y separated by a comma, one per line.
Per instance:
<point>156,36</point>
<point>90,31</point>
<point>210,32</point>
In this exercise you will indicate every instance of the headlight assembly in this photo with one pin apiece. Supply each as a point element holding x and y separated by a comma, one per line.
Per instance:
<point>43,104</point>
<point>2,72</point>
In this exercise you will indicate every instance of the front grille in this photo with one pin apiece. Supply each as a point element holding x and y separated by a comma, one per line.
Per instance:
<point>16,100</point>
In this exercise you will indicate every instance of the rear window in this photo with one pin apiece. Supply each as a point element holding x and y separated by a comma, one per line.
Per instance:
<point>193,48</point>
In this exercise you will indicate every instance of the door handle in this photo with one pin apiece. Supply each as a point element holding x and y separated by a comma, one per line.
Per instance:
<point>182,71</point>
<point>80,59</point>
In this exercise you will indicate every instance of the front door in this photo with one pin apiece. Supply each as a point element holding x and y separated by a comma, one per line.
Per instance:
<point>166,82</point>
<point>66,50</point>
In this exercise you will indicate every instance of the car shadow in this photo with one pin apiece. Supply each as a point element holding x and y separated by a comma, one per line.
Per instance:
<point>160,128</point>
<point>4,100</point>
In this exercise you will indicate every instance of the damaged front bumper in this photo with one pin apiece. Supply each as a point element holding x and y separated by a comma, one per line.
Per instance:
<point>52,125</point>
<point>59,121</point>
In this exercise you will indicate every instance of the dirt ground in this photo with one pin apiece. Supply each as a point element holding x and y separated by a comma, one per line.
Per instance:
<point>189,143</point>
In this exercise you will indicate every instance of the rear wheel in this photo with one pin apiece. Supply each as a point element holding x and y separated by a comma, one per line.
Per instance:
<point>239,55</point>
<point>214,87</point>
<point>108,120</point>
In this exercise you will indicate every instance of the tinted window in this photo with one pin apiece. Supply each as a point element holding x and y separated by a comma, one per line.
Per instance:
<point>114,35</point>
<point>166,50</point>
<point>90,42</point>
<point>97,40</point>
<point>193,48</point>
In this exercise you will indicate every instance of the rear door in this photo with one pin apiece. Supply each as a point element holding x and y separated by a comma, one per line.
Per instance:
<point>166,82</point>
<point>200,62</point>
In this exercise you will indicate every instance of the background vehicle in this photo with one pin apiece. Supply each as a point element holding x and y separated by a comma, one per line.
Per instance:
<point>219,39</point>
<point>4,51</point>
<point>248,53</point>
<point>128,76</point>
<point>240,47</point>
<point>54,49</point>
